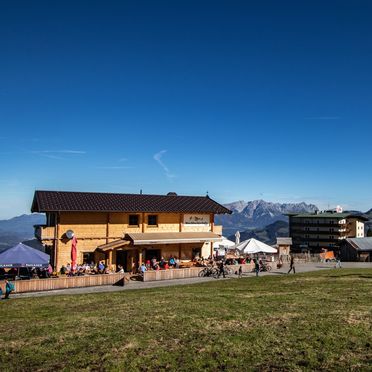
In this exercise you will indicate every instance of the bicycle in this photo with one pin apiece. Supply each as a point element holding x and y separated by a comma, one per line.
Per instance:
<point>208,271</point>
<point>265,267</point>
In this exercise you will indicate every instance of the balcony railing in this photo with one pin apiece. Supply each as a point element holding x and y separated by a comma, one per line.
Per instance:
<point>303,224</point>
<point>43,232</point>
<point>335,231</point>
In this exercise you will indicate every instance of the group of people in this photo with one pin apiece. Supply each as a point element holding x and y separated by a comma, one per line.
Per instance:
<point>85,269</point>
<point>163,264</point>
<point>27,272</point>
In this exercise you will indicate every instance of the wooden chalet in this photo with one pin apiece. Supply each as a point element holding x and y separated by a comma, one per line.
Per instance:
<point>126,229</point>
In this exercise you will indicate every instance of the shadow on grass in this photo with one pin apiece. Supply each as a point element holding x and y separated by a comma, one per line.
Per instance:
<point>364,276</point>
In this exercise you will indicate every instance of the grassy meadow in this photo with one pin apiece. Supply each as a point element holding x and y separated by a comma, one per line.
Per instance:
<point>313,321</point>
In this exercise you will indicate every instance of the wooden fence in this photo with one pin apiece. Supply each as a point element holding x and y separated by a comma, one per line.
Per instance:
<point>37,285</point>
<point>191,272</point>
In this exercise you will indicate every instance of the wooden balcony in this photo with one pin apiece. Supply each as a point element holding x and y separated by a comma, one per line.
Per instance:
<point>43,232</point>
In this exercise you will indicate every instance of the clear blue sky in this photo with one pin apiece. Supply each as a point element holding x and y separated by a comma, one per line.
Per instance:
<point>245,99</point>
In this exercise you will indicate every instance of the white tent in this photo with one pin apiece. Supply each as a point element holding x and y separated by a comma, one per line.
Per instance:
<point>225,243</point>
<point>252,246</point>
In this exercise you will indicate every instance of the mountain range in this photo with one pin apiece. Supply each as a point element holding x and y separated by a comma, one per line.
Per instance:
<point>254,219</point>
<point>267,234</point>
<point>19,229</point>
<point>257,214</point>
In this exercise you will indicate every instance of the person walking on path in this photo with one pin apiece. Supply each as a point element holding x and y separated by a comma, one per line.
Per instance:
<point>256,266</point>
<point>292,265</point>
<point>338,262</point>
<point>240,272</point>
<point>9,287</point>
<point>222,270</point>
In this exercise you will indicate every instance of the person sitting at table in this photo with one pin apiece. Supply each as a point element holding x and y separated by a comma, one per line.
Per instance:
<point>148,264</point>
<point>142,269</point>
<point>162,263</point>
<point>172,261</point>
<point>177,263</point>
<point>101,267</point>
<point>120,269</point>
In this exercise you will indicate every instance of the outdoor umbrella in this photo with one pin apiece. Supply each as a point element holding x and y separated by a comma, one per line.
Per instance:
<point>252,246</point>
<point>22,255</point>
<point>225,243</point>
<point>237,237</point>
<point>73,253</point>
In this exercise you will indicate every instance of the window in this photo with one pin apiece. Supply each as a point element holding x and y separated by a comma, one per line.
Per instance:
<point>88,257</point>
<point>133,220</point>
<point>51,219</point>
<point>196,253</point>
<point>152,220</point>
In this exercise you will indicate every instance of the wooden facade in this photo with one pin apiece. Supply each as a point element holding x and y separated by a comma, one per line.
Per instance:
<point>96,229</point>
<point>113,227</point>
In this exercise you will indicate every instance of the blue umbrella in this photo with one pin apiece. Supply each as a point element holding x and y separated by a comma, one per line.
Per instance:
<point>22,255</point>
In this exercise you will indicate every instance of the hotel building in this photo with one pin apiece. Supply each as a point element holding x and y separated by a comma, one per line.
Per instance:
<point>314,231</point>
<point>126,229</point>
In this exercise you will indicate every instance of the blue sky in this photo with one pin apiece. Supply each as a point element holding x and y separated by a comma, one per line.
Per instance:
<point>242,99</point>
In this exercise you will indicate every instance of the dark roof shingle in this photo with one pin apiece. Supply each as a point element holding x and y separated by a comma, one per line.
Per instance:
<point>58,201</point>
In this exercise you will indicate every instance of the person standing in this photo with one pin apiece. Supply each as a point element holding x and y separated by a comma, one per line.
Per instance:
<point>9,287</point>
<point>240,272</point>
<point>338,262</point>
<point>222,270</point>
<point>256,266</point>
<point>292,265</point>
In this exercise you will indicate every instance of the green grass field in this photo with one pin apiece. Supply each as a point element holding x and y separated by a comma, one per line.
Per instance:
<point>314,321</point>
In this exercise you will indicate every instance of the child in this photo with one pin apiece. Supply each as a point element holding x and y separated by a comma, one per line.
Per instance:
<point>9,287</point>
<point>240,271</point>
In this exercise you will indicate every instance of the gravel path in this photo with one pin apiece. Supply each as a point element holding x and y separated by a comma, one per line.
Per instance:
<point>300,268</point>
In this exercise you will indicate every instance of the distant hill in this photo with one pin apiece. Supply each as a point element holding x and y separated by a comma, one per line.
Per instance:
<point>18,229</point>
<point>267,234</point>
<point>258,214</point>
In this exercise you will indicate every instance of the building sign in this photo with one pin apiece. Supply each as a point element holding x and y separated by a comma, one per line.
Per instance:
<point>196,219</point>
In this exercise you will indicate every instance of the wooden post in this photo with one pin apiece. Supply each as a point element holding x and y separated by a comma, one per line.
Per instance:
<point>110,259</point>
<point>179,250</point>
<point>212,221</point>
<point>107,228</point>
<point>56,244</point>
<point>143,222</point>
<point>140,257</point>
<point>132,263</point>
<point>181,221</point>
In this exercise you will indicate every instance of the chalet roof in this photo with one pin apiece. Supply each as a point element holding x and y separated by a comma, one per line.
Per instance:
<point>67,201</point>
<point>361,244</point>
